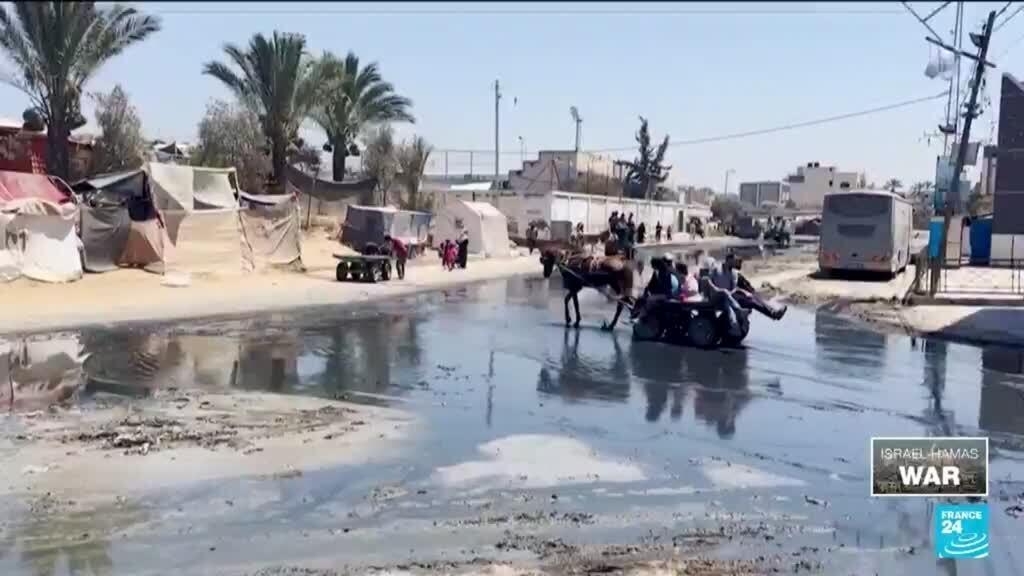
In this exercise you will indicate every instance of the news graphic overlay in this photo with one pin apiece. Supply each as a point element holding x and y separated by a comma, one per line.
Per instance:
<point>929,467</point>
<point>961,531</point>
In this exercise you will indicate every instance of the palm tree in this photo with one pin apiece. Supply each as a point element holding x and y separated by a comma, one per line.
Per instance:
<point>893,184</point>
<point>276,78</point>
<point>355,99</point>
<point>56,47</point>
<point>412,162</point>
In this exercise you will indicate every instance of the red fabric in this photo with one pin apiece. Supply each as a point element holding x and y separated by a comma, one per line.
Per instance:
<point>16,185</point>
<point>399,249</point>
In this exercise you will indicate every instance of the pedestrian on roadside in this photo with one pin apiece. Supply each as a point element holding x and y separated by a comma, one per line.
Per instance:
<point>400,251</point>
<point>668,233</point>
<point>641,233</point>
<point>463,249</point>
<point>657,231</point>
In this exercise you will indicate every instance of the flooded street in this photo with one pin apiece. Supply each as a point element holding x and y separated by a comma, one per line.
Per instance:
<point>545,447</point>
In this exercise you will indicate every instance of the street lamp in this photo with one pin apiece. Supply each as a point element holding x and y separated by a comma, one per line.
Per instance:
<point>522,150</point>
<point>725,189</point>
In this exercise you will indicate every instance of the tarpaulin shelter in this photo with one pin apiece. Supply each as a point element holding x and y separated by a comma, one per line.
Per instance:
<point>39,241</point>
<point>200,209</point>
<point>319,196</point>
<point>369,224</point>
<point>37,229</point>
<point>486,227</point>
<point>115,209</point>
<point>270,230</point>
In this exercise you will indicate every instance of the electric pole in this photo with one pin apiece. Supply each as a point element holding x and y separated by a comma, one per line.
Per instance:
<point>961,154</point>
<point>497,98</point>
<point>578,120</point>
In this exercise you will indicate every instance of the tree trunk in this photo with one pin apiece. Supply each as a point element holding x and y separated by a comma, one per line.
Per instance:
<point>338,161</point>
<point>58,162</point>
<point>278,153</point>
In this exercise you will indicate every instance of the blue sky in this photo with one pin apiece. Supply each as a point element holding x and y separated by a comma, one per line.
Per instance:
<point>692,70</point>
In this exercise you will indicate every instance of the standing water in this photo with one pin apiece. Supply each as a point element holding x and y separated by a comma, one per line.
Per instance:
<point>574,437</point>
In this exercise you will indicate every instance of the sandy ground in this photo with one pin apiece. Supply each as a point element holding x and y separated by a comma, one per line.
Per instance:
<point>133,295</point>
<point>120,447</point>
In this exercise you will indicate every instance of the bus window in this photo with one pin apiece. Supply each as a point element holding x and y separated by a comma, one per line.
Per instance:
<point>857,205</point>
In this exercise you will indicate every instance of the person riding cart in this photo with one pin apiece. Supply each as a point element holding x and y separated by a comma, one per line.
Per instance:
<point>726,276</point>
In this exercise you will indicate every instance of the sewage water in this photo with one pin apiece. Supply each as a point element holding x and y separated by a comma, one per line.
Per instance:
<point>523,416</point>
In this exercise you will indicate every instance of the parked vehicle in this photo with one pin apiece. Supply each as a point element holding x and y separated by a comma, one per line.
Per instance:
<point>865,230</point>
<point>746,227</point>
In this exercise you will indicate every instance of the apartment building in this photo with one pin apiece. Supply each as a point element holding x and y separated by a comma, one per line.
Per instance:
<point>810,183</point>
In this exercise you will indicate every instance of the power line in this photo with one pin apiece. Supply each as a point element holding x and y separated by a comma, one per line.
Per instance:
<point>1007,19</point>
<point>530,11</point>
<point>759,132</point>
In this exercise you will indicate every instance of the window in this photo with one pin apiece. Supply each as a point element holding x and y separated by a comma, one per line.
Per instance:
<point>857,205</point>
<point>844,185</point>
<point>829,183</point>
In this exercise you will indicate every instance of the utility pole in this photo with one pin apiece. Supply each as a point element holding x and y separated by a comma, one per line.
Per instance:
<point>578,120</point>
<point>961,154</point>
<point>497,98</point>
<point>725,189</point>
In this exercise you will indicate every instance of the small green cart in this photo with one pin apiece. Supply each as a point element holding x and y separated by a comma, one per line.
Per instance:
<point>363,267</point>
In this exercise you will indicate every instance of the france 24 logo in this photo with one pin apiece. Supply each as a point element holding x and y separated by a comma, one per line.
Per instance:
<point>961,531</point>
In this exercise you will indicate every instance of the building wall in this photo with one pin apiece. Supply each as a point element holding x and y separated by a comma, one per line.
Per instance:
<point>769,191</point>
<point>559,170</point>
<point>1008,200</point>
<point>807,188</point>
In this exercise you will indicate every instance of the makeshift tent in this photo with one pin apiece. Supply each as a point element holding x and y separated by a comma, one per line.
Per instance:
<point>200,210</point>
<point>366,224</point>
<point>486,226</point>
<point>38,241</point>
<point>19,185</point>
<point>270,231</point>
<point>120,226</point>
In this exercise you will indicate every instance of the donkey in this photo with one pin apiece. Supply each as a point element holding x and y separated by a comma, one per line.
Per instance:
<point>581,270</point>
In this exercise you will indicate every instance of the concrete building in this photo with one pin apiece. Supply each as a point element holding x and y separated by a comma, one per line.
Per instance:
<point>766,192</point>
<point>564,170</point>
<point>807,188</point>
<point>564,210</point>
<point>1008,199</point>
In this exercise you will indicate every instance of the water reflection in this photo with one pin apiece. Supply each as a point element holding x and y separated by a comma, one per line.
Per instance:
<point>268,362</point>
<point>52,541</point>
<point>719,380</point>
<point>40,371</point>
<point>579,376</point>
<point>1002,391</point>
<point>841,344</point>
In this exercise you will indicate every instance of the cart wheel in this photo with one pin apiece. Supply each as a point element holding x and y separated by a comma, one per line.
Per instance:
<point>730,340</point>
<point>375,274</point>
<point>702,332</point>
<point>647,328</point>
<point>386,272</point>
<point>341,273</point>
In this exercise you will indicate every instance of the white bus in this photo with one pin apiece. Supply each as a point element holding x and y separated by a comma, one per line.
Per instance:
<point>868,230</point>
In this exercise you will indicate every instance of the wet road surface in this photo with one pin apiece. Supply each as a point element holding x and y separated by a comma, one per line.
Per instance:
<point>575,435</point>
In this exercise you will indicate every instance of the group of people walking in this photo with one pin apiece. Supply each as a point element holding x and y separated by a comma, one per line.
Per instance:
<point>455,254</point>
<point>628,234</point>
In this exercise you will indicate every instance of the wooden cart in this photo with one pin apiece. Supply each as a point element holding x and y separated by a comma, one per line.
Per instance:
<point>365,267</point>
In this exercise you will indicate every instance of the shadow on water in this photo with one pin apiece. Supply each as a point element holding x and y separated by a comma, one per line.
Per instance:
<point>1001,413</point>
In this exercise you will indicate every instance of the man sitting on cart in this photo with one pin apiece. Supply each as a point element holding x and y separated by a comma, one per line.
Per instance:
<point>727,277</point>
<point>400,251</point>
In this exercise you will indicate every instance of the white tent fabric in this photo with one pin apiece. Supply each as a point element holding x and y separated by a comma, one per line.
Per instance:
<point>205,242</point>
<point>212,187</point>
<point>486,226</point>
<point>270,231</point>
<point>39,240</point>
<point>191,188</point>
